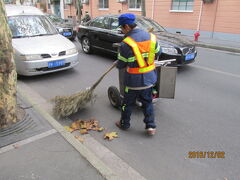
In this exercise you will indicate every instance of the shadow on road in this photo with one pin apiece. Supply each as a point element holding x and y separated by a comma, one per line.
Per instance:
<point>185,69</point>
<point>44,77</point>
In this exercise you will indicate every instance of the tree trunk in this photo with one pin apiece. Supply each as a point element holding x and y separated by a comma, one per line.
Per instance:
<point>79,7</point>
<point>143,8</point>
<point>8,76</point>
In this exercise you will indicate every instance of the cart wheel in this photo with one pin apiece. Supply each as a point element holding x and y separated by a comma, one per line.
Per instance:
<point>114,96</point>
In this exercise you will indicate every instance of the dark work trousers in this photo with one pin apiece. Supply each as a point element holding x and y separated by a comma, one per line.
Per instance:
<point>145,97</point>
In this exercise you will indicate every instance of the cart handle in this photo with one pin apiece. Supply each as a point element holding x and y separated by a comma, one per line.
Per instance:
<point>164,62</point>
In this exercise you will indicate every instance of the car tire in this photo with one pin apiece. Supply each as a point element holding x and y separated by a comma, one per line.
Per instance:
<point>114,97</point>
<point>86,45</point>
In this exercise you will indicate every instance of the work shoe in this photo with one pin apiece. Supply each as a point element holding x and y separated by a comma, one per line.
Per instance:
<point>118,124</point>
<point>151,131</point>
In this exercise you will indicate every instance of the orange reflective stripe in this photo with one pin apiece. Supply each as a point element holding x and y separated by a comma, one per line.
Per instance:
<point>141,70</point>
<point>138,47</point>
<point>144,46</point>
<point>133,44</point>
<point>151,55</point>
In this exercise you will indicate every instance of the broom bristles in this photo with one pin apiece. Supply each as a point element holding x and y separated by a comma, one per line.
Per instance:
<point>67,105</point>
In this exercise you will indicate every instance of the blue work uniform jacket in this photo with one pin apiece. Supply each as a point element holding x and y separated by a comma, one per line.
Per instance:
<point>126,58</point>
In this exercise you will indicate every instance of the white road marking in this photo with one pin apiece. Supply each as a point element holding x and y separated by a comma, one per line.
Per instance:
<point>218,50</point>
<point>27,141</point>
<point>216,71</point>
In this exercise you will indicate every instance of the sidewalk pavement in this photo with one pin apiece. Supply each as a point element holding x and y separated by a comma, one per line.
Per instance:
<point>224,45</point>
<point>42,157</point>
<point>34,149</point>
<point>39,147</point>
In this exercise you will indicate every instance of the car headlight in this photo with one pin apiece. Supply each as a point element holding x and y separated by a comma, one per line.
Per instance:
<point>30,57</point>
<point>169,50</point>
<point>71,51</point>
<point>60,30</point>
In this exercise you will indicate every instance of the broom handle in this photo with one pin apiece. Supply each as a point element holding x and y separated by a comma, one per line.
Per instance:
<point>104,74</point>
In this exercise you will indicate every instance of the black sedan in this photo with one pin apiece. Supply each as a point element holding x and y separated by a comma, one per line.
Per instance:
<point>64,27</point>
<point>103,31</point>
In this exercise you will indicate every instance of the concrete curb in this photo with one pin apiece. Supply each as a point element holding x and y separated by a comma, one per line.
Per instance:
<point>102,168</point>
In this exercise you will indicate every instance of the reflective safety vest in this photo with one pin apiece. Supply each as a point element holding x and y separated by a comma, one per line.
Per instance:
<point>139,48</point>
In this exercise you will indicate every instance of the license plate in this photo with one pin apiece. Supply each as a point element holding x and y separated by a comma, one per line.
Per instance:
<point>189,57</point>
<point>58,63</point>
<point>67,33</point>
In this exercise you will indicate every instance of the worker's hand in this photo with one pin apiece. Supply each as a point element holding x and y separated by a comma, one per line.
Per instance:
<point>115,62</point>
<point>151,29</point>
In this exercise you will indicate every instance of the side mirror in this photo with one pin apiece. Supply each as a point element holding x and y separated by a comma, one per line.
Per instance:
<point>117,45</point>
<point>119,31</point>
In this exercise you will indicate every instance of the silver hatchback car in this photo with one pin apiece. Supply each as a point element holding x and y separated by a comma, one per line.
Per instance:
<point>38,47</point>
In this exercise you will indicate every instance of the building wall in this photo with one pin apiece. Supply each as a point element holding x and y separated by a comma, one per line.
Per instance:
<point>220,19</point>
<point>114,8</point>
<point>228,16</point>
<point>70,11</point>
<point>182,20</point>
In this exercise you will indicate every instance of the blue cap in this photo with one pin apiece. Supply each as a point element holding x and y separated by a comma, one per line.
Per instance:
<point>127,18</point>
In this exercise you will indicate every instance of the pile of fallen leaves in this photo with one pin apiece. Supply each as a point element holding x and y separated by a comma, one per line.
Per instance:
<point>84,126</point>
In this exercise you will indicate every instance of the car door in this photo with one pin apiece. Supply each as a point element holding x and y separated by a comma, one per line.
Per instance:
<point>98,32</point>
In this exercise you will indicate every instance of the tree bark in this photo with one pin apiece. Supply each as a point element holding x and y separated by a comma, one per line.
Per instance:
<point>79,7</point>
<point>143,8</point>
<point>8,76</point>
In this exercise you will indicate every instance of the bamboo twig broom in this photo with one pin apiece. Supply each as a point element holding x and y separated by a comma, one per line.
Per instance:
<point>67,105</point>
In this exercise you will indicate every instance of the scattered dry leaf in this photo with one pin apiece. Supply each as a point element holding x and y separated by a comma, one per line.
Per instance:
<point>75,125</point>
<point>100,129</point>
<point>110,135</point>
<point>83,131</point>
<point>69,129</point>
<point>79,138</point>
<point>82,124</point>
<point>16,146</point>
<point>94,122</point>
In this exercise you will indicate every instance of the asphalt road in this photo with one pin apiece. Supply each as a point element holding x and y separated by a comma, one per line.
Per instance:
<point>204,116</point>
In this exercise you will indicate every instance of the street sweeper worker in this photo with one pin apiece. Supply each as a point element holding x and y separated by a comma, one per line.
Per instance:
<point>137,53</point>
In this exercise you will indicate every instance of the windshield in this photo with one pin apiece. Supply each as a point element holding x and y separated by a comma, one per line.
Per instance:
<point>148,24</point>
<point>29,26</point>
<point>56,19</point>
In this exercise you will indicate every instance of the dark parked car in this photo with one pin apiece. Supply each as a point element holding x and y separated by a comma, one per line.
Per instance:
<point>63,26</point>
<point>103,31</point>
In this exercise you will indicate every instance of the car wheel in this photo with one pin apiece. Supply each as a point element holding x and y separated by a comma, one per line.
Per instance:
<point>114,96</point>
<point>86,45</point>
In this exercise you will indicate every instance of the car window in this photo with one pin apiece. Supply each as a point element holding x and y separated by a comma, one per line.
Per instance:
<point>28,26</point>
<point>55,18</point>
<point>148,24</point>
<point>114,24</point>
<point>106,23</point>
<point>98,22</point>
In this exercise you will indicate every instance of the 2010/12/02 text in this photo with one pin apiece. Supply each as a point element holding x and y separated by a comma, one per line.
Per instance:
<point>206,154</point>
